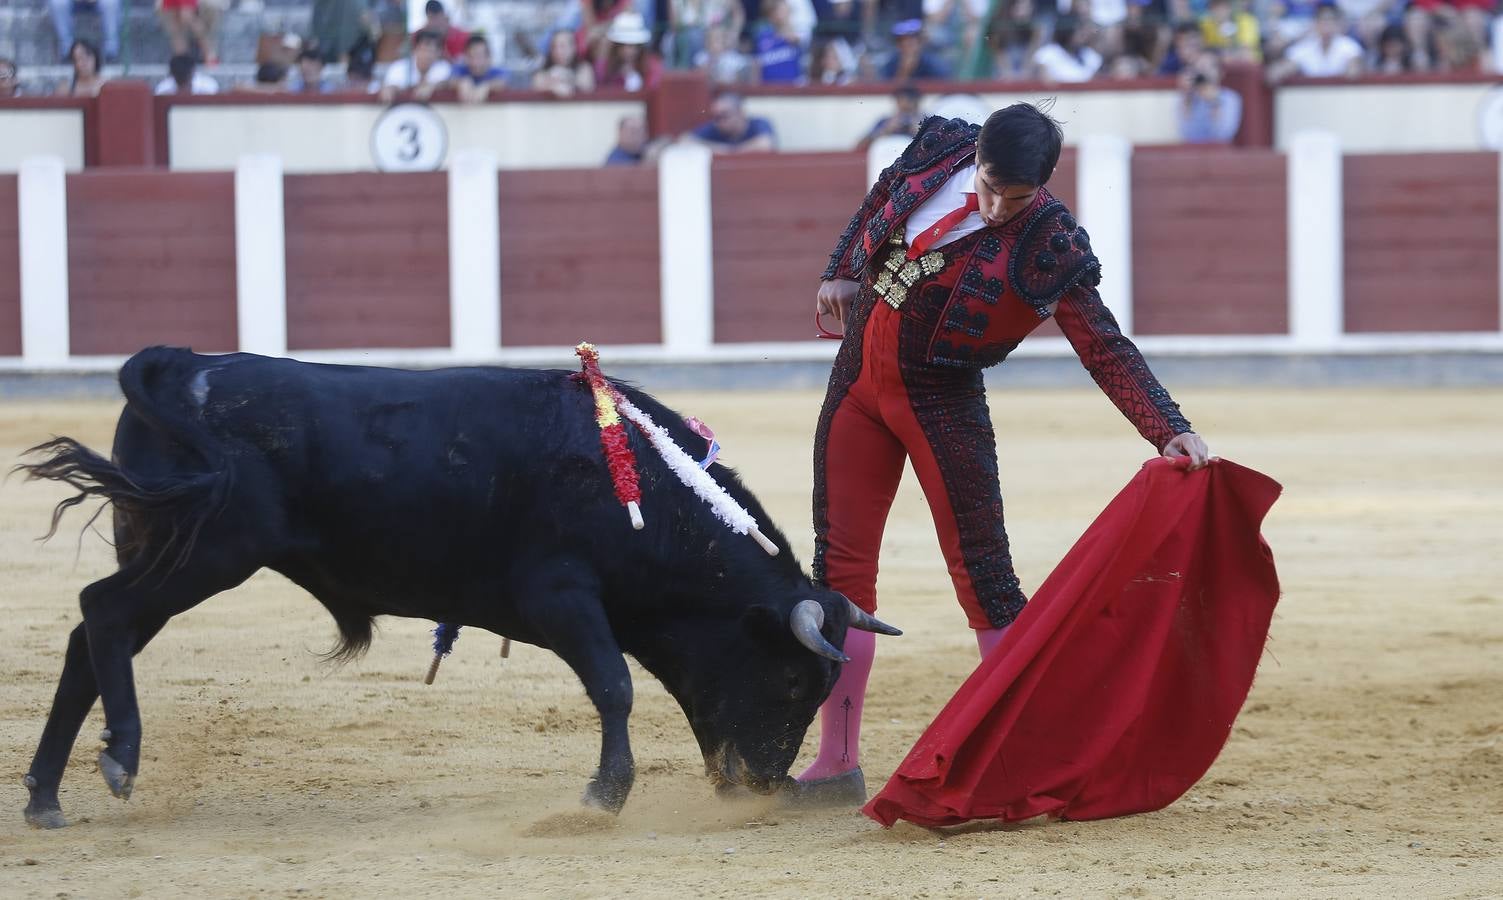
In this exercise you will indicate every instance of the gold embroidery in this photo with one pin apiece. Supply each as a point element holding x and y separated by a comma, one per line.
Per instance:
<point>899,274</point>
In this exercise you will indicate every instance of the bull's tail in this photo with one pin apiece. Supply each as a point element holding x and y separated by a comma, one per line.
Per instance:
<point>164,513</point>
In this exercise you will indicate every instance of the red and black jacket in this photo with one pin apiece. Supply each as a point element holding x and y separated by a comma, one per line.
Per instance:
<point>1036,266</point>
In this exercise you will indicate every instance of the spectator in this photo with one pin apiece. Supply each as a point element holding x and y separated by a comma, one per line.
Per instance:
<point>730,130</point>
<point>109,24</point>
<point>180,19</point>
<point>1233,31</point>
<point>910,60</point>
<point>563,73</point>
<point>904,120</point>
<point>360,73</point>
<point>1284,22</point>
<point>955,23</point>
<point>1456,47</point>
<point>1184,49</point>
<point>422,72</point>
<point>595,20</point>
<point>86,81</point>
<point>1016,37</point>
<point>628,64</point>
<point>1128,67</point>
<point>338,25</point>
<point>1369,18</point>
<point>184,78</point>
<point>308,77</point>
<point>690,23</point>
<point>1394,56</point>
<point>777,45</point>
<point>1210,112</point>
<point>831,62</point>
<point>1417,29</point>
<point>437,22</point>
<point>1144,34</point>
<point>847,19</point>
<point>722,61</point>
<point>10,86</point>
<point>271,78</point>
<point>476,78</point>
<point>1069,58</point>
<point>1324,53</point>
<point>632,146</point>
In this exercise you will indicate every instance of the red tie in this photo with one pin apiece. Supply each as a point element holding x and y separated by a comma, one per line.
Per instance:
<point>938,230</point>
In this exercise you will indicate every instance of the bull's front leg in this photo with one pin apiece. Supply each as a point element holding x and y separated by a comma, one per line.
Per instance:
<point>575,627</point>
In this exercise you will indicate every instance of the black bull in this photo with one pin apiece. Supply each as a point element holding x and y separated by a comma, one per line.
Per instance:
<point>476,496</point>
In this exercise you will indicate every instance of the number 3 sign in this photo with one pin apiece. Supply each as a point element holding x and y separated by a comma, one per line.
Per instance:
<point>409,137</point>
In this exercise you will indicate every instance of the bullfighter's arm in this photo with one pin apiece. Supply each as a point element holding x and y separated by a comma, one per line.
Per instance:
<point>1117,366</point>
<point>840,260</point>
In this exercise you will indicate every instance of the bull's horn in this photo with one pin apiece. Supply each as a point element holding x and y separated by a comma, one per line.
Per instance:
<point>865,621</point>
<point>805,621</point>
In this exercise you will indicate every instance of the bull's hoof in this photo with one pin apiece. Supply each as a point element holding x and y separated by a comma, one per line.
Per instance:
<point>601,796</point>
<point>45,818</point>
<point>120,782</point>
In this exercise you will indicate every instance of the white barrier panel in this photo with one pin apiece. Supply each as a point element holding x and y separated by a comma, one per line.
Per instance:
<point>1315,240</point>
<point>474,255</point>
<point>686,248</point>
<point>337,137</point>
<point>260,256</point>
<point>1103,179</point>
<point>42,211</point>
<point>31,133</point>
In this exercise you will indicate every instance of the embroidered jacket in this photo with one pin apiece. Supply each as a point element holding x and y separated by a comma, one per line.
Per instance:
<point>1017,275</point>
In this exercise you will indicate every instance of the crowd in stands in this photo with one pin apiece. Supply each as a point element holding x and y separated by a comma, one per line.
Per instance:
<point>627,44</point>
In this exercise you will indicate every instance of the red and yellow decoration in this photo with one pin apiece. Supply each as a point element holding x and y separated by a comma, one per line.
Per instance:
<point>618,453</point>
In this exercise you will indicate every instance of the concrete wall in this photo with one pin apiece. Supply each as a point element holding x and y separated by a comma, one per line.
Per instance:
<point>1419,114</point>
<point>27,130</point>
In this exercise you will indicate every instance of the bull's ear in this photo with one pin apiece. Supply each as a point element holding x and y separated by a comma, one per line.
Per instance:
<point>764,623</point>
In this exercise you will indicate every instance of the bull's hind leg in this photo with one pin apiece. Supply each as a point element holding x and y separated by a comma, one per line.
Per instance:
<point>575,627</point>
<point>76,693</point>
<point>121,613</point>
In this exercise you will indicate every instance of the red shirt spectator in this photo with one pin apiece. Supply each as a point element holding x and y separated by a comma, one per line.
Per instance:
<point>455,39</point>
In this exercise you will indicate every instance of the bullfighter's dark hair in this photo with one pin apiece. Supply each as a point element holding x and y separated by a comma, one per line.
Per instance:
<point>1019,145</point>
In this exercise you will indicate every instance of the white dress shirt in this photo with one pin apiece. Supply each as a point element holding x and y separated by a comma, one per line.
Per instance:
<point>950,197</point>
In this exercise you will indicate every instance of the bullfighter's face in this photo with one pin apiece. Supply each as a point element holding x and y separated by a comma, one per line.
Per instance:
<point>999,202</point>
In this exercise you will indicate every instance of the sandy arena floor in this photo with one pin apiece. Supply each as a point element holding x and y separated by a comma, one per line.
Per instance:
<point>1368,761</point>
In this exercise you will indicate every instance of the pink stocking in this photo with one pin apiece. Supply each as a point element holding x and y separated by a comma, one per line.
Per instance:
<point>988,638</point>
<point>840,716</point>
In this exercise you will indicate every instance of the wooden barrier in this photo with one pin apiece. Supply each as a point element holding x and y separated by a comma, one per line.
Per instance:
<point>367,261</point>
<point>10,269</point>
<point>151,260</point>
<point>1421,242</point>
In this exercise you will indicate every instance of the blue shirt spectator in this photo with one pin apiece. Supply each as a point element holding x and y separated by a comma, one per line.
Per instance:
<point>730,130</point>
<point>777,46</point>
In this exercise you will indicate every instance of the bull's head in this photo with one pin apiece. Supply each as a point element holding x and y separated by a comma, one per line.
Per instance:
<point>751,702</point>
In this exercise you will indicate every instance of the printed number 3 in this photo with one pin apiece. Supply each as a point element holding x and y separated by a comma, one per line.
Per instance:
<point>410,149</point>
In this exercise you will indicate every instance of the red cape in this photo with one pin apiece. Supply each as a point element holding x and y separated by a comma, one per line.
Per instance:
<point>1115,689</point>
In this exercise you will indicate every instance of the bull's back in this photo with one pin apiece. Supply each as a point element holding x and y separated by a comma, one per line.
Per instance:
<point>392,461</point>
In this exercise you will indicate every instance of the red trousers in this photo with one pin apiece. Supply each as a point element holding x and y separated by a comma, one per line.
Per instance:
<point>872,431</point>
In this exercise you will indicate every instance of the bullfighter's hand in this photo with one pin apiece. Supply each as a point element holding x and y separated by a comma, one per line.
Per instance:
<point>835,297</point>
<point>1189,444</point>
